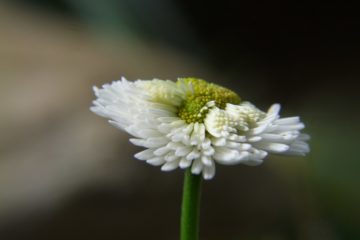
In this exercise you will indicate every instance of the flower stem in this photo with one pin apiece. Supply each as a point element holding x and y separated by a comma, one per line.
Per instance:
<point>190,209</point>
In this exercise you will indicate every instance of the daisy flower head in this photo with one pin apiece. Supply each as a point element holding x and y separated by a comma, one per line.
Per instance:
<point>194,124</point>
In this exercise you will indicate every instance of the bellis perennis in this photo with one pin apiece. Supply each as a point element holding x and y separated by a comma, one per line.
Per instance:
<point>195,124</point>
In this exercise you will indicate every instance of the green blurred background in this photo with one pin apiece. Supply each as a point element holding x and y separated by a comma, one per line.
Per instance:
<point>66,174</point>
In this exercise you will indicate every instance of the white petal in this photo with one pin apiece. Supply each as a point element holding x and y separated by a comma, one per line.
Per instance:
<point>288,120</point>
<point>184,163</point>
<point>293,127</point>
<point>238,138</point>
<point>224,154</point>
<point>170,166</point>
<point>271,137</point>
<point>170,157</point>
<point>242,156</point>
<point>146,133</point>
<point>150,142</point>
<point>206,143</point>
<point>208,152</point>
<point>272,147</point>
<point>162,151</point>
<point>239,157</point>
<point>157,161</point>
<point>245,146</point>
<point>146,154</point>
<point>196,166</point>
<point>193,154</point>
<point>300,146</point>
<point>256,131</point>
<point>168,119</point>
<point>183,151</point>
<point>206,160</point>
<point>218,141</point>
<point>254,139</point>
<point>195,135</point>
<point>274,109</point>
<point>209,172</point>
<point>231,144</point>
<point>174,145</point>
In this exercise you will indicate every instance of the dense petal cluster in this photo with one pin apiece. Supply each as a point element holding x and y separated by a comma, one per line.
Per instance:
<point>194,124</point>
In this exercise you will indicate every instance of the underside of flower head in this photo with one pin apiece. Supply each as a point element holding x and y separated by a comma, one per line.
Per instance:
<point>194,124</point>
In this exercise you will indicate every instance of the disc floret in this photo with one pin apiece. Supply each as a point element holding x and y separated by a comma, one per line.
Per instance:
<point>202,97</point>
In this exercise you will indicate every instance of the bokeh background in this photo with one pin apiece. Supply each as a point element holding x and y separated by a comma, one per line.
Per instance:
<point>67,174</point>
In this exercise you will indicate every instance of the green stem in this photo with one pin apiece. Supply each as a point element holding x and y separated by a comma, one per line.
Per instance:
<point>190,209</point>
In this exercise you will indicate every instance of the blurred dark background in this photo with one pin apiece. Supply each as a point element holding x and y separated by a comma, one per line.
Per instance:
<point>66,174</point>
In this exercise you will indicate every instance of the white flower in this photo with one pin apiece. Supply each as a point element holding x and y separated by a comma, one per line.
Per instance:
<point>192,123</point>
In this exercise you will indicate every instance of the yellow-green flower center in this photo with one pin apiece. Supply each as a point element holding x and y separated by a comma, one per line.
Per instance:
<point>194,108</point>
